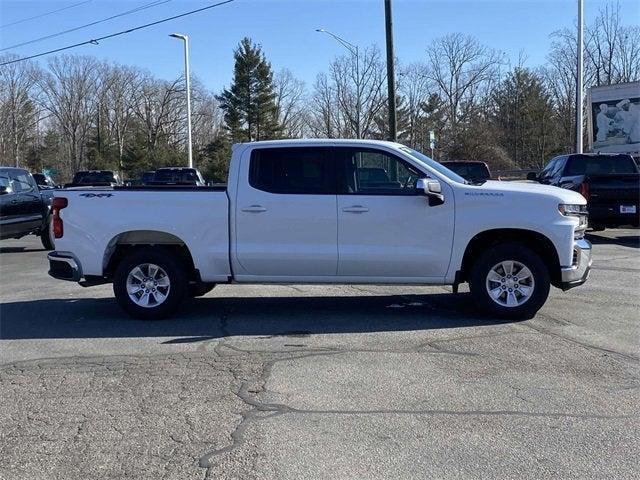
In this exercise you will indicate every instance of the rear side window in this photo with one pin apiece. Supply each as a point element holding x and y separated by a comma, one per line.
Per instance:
<point>22,182</point>
<point>599,164</point>
<point>302,170</point>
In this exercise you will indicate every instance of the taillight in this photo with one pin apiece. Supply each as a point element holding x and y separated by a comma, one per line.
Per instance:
<point>58,204</point>
<point>584,190</point>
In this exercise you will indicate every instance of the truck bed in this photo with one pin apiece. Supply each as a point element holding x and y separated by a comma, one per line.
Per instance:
<point>98,217</point>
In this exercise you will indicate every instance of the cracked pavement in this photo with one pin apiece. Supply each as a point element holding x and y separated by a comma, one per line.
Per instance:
<point>279,382</point>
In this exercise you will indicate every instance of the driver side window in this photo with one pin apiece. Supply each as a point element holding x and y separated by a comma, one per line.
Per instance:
<point>374,172</point>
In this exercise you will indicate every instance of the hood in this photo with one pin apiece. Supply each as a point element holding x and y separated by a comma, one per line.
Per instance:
<point>561,194</point>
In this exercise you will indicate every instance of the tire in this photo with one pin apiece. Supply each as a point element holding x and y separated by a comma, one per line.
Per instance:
<point>46,236</point>
<point>489,277</point>
<point>596,228</point>
<point>146,270</point>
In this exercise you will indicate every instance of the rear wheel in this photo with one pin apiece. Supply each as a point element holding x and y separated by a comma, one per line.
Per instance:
<point>150,284</point>
<point>46,235</point>
<point>510,281</point>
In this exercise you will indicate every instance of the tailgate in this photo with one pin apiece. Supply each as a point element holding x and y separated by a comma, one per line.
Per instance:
<point>621,188</point>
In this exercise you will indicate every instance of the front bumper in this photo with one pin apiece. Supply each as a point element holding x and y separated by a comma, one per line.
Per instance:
<point>578,272</point>
<point>64,266</point>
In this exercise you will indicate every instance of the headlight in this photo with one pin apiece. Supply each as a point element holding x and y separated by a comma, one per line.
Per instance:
<point>572,210</point>
<point>579,211</point>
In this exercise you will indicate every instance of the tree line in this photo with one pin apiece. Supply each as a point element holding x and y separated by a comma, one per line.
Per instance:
<point>76,112</point>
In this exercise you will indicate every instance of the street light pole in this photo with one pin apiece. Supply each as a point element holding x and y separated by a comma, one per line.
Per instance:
<point>579,80</point>
<point>391,77</point>
<point>185,38</point>
<point>353,49</point>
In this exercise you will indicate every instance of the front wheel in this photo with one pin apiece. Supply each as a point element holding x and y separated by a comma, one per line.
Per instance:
<point>510,281</point>
<point>150,284</point>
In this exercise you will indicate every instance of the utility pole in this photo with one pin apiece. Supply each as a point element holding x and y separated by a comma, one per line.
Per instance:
<point>185,39</point>
<point>391,78</point>
<point>579,79</point>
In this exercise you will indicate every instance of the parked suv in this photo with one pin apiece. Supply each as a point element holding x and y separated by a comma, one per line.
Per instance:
<point>609,182</point>
<point>24,209</point>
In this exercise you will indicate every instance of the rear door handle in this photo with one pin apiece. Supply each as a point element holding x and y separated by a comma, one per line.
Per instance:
<point>254,209</point>
<point>355,209</point>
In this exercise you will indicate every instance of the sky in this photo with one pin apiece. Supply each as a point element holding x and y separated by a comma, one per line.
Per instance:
<point>286,30</point>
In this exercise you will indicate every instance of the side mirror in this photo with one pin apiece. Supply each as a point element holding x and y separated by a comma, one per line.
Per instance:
<point>5,190</point>
<point>432,190</point>
<point>532,176</point>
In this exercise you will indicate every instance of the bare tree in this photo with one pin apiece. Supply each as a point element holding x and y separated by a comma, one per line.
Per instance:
<point>463,71</point>
<point>207,117</point>
<point>612,49</point>
<point>121,88</point>
<point>18,113</point>
<point>69,92</point>
<point>349,99</point>
<point>290,94</point>
<point>158,108</point>
<point>415,88</point>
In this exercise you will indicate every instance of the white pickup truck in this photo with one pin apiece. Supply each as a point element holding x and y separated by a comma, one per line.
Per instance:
<point>324,211</point>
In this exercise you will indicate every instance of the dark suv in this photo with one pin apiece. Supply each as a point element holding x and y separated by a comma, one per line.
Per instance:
<point>609,182</point>
<point>24,209</point>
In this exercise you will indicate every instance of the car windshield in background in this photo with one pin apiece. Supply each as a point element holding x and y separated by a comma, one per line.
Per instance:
<point>94,177</point>
<point>175,176</point>
<point>475,171</point>
<point>441,169</point>
<point>600,164</point>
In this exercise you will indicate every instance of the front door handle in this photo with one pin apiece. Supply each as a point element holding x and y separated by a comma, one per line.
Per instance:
<point>254,209</point>
<point>355,209</point>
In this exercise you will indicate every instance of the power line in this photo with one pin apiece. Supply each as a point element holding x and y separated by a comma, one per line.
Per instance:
<point>128,12</point>
<point>95,41</point>
<point>44,14</point>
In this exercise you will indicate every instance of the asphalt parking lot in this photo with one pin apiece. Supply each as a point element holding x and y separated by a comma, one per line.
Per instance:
<point>290,382</point>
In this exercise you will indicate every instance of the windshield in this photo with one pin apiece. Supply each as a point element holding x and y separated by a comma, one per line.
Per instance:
<point>441,169</point>
<point>94,177</point>
<point>176,176</point>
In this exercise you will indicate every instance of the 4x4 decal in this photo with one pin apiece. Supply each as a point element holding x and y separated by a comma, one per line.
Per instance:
<point>98,195</point>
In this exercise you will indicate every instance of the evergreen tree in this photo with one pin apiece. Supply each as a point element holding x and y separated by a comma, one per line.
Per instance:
<point>249,104</point>
<point>523,114</point>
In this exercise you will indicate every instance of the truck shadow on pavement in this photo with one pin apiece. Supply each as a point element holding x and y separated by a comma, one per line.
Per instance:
<point>622,240</point>
<point>217,317</point>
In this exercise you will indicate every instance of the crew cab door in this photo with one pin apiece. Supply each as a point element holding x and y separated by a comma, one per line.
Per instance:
<point>29,199</point>
<point>285,216</point>
<point>9,208</point>
<point>386,227</point>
